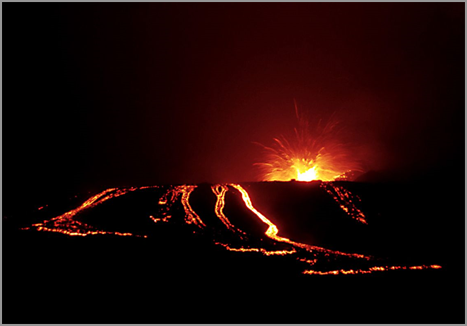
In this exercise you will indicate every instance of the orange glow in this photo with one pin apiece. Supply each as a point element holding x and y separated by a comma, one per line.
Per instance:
<point>219,191</point>
<point>287,164</point>
<point>191,216</point>
<point>308,175</point>
<point>370,270</point>
<point>163,219</point>
<point>308,261</point>
<point>305,253</point>
<point>65,223</point>
<point>346,201</point>
<point>261,250</point>
<point>272,231</point>
<point>169,198</point>
<point>311,153</point>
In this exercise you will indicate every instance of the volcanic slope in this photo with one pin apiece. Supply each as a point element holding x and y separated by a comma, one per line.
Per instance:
<point>274,233</point>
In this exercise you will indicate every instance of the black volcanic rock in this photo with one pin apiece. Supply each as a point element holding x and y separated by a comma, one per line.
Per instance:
<point>178,275</point>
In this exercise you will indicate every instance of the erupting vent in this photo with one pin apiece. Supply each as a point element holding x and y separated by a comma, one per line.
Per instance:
<point>309,154</point>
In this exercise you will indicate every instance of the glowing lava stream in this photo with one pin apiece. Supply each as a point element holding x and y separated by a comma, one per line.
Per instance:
<point>66,225</point>
<point>272,231</point>
<point>192,217</point>
<point>370,270</point>
<point>185,192</point>
<point>344,199</point>
<point>261,250</point>
<point>219,191</point>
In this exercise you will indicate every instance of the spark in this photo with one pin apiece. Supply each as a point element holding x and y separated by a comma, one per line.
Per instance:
<point>311,153</point>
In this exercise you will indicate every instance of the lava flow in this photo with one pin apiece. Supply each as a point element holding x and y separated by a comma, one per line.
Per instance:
<point>346,201</point>
<point>219,191</point>
<point>65,223</point>
<point>174,205</point>
<point>369,270</point>
<point>272,231</point>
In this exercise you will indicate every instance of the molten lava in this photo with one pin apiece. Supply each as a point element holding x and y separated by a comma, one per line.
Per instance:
<point>219,191</point>
<point>272,231</point>
<point>311,153</point>
<point>178,197</point>
<point>346,201</point>
<point>308,175</point>
<point>369,270</point>
<point>67,225</point>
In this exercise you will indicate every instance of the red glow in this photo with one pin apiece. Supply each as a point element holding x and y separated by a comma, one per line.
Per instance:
<point>312,153</point>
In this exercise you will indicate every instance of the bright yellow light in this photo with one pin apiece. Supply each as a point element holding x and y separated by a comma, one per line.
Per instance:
<point>308,175</point>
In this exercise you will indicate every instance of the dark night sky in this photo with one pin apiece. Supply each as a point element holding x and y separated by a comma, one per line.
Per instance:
<point>122,94</point>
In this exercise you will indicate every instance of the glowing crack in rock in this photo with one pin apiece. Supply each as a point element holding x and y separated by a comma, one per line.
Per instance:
<point>273,245</point>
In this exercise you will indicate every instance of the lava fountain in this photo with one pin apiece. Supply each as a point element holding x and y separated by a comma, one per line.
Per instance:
<point>311,153</point>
